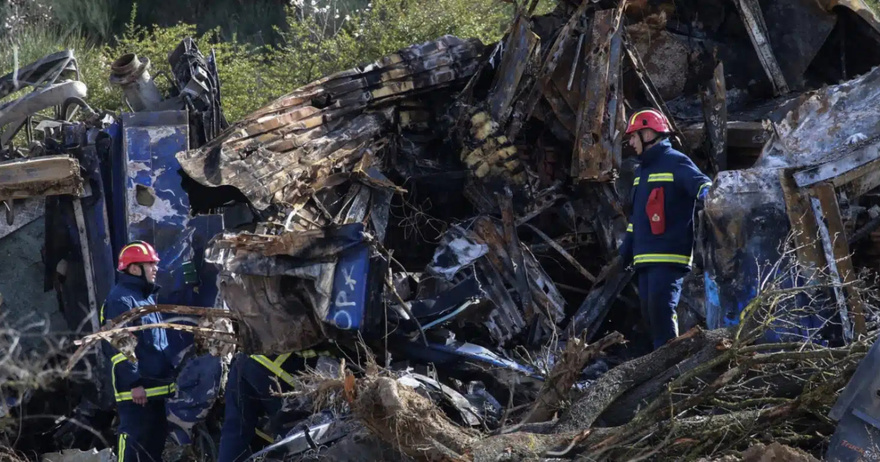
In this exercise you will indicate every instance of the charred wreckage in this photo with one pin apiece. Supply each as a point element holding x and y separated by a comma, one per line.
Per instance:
<point>451,215</point>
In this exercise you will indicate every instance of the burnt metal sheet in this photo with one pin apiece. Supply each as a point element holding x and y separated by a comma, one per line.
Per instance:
<point>594,309</point>
<point>787,21</point>
<point>285,287</point>
<point>753,18</point>
<point>745,218</point>
<point>844,169</point>
<point>43,176</point>
<point>518,49</point>
<point>157,208</point>
<point>283,151</point>
<point>826,123</point>
<point>714,98</point>
<point>593,157</point>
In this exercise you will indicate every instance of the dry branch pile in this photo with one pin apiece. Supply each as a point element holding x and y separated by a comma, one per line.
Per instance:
<point>706,394</point>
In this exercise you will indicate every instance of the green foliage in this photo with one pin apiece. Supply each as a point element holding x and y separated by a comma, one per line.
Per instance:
<point>321,37</point>
<point>91,18</point>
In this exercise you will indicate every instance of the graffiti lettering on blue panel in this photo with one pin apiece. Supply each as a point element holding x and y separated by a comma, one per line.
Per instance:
<point>349,296</point>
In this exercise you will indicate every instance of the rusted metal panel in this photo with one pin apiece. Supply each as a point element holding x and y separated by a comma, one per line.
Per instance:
<point>592,159</point>
<point>714,98</point>
<point>750,12</point>
<point>800,217</point>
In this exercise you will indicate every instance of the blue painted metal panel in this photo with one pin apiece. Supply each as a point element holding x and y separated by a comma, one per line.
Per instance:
<point>349,296</point>
<point>157,207</point>
<point>97,226</point>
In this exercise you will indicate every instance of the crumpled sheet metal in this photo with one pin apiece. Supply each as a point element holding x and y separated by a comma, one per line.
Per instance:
<point>481,244</point>
<point>825,123</point>
<point>198,386</point>
<point>283,151</point>
<point>745,218</point>
<point>456,250</point>
<point>281,286</point>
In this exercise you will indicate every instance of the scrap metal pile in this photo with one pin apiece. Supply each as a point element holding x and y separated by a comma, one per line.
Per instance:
<point>443,225</point>
<point>456,210</point>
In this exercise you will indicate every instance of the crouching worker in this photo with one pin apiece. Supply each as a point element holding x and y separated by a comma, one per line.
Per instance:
<point>660,236</point>
<point>250,385</point>
<point>140,388</point>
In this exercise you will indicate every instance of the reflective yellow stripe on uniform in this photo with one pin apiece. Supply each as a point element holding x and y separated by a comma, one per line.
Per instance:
<point>121,448</point>
<point>264,436</point>
<point>629,228</point>
<point>655,177</point>
<point>702,187</point>
<point>151,392</point>
<point>116,359</point>
<point>275,368</point>
<point>636,181</point>
<point>663,258</point>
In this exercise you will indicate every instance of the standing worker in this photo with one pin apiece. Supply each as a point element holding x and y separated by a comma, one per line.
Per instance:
<point>249,387</point>
<point>141,387</point>
<point>660,236</point>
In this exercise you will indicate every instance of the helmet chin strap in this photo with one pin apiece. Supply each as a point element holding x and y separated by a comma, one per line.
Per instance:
<point>659,137</point>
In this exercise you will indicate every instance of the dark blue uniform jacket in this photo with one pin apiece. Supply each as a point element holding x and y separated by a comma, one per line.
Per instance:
<point>154,370</point>
<point>661,226</point>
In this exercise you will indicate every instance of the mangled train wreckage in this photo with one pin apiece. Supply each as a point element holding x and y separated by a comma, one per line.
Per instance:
<point>456,206</point>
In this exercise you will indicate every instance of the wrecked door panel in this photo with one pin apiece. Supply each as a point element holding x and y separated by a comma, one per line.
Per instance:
<point>157,207</point>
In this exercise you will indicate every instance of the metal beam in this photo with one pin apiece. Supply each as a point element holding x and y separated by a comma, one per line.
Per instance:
<point>750,12</point>
<point>843,170</point>
<point>834,242</point>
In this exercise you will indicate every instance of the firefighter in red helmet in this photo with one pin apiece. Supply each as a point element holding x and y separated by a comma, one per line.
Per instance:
<point>660,236</point>
<point>140,388</point>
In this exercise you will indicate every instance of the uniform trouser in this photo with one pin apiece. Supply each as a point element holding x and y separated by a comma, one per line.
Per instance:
<point>248,396</point>
<point>659,291</point>
<point>142,431</point>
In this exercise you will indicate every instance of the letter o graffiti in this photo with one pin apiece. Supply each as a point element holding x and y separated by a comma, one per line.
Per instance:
<point>347,318</point>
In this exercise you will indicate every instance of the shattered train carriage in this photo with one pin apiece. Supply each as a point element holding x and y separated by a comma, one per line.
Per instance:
<point>458,207</point>
<point>529,131</point>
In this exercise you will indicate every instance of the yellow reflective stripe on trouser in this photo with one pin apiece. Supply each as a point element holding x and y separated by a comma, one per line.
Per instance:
<point>275,368</point>
<point>636,181</point>
<point>662,258</point>
<point>654,177</point>
<point>629,228</point>
<point>116,359</point>
<point>151,392</point>
<point>121,448</point>
<point>264,436</point>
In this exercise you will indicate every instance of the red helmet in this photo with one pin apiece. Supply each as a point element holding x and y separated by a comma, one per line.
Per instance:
<point>648,118</point>
<point>136,252</point>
